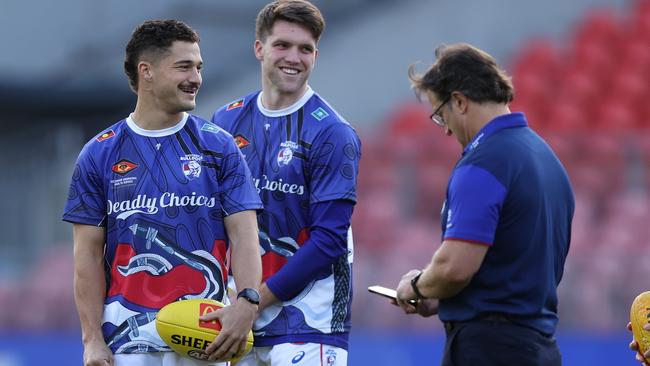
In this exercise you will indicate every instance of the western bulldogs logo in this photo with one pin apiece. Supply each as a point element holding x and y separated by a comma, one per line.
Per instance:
<point>285,156</point>
<point>330,357</point>
<point>286,152</point>
<point>191,165</point>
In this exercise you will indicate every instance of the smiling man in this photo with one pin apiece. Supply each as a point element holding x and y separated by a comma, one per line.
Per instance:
<point>157,201</point>
<point>304,159</point>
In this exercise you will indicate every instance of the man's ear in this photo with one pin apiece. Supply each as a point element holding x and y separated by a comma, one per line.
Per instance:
<point>460,101</point>
<point>258,49</point>
<point>144,71</point>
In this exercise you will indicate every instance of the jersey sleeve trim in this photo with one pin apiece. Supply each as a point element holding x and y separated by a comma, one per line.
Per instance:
<point>470,241</point>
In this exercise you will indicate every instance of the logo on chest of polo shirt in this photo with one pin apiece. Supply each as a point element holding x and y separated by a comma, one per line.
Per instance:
<point>191,165</point>
<point>476,141</point>
<point>286,152</point>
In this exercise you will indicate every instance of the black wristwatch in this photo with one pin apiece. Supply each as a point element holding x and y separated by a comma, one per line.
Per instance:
<point>414,284</point>
<point>251,295</point>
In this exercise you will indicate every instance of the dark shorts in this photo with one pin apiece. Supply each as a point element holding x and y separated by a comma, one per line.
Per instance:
<point>498,342</point>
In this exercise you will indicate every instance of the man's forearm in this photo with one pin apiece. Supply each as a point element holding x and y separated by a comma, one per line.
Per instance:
<point>89,293</point>
<point>451,269</point>
<point>437,283</point>
<point>246,259</point>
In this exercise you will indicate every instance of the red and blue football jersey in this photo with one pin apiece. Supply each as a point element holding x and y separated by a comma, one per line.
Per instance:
<point>162,196</point>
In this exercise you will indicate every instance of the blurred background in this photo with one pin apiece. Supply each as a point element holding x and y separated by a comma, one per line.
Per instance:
<point>581,71</point>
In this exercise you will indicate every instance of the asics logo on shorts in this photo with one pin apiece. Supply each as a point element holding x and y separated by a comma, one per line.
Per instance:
<point>298,357</point>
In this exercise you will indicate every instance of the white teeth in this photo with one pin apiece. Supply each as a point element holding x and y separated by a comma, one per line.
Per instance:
<point>289,71</point>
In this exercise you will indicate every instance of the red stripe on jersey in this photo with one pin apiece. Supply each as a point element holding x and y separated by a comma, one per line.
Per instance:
<point>219,249</point>
<point>271,263</point>
<point>152,291</point>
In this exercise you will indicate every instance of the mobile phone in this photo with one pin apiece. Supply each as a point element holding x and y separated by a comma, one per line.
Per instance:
<point>388,293</point>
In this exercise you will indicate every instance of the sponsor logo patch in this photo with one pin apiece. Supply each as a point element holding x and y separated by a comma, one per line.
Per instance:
<point>210,127</point>
<point>105,136</point>
<point>241,141</point>
<point>265,184</point>
<point>298,357</point>
<point>319,113</point>
<point>205,309</point>
<point>236,104</point>
<point>150,205</point>
<point>123,166</point>
<point>198,355</point>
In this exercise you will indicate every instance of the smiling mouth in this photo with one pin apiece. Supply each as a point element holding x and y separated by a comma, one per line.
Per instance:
<point>189,89</point>
<point>289,70</point>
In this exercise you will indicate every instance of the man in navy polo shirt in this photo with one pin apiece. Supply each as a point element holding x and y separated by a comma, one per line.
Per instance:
<point>506,222</point>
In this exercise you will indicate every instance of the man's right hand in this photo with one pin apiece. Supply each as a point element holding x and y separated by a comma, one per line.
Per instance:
<point>424,307</point>
<point>634,346</point>
<point>97,353</point>
<point>236,322</point>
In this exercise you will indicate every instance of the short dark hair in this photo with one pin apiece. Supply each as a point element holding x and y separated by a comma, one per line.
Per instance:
<point>154,37</point>
<point>467,69</point>
<point>295,11</point>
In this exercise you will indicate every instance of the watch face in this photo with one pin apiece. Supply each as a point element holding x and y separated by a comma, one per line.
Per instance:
<point>251,295</point>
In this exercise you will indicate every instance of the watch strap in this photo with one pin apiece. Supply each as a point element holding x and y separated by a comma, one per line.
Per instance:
<point>414,285</point>
<point>250,294</point>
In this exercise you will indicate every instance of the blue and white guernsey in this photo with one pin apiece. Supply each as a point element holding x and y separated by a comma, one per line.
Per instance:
<point>162,196</point>
<point>300,157</point>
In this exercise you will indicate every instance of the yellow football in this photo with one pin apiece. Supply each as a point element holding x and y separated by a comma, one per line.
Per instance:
<point>639,316</point>
<point>179,326</point>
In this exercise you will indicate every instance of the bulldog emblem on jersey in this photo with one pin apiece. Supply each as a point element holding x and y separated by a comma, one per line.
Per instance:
<point>286,152</point>
<point>191,165</point>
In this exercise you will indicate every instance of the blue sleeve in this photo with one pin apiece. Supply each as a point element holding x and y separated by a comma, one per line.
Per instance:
<point>327,242</point>
<point>86,203</point>
<point>238,193</point>
<point>216,117</point>
<point>474,203</point>
<point>335,164</point>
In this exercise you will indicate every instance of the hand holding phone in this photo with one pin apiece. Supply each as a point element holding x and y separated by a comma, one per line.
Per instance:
<point>388,293</point>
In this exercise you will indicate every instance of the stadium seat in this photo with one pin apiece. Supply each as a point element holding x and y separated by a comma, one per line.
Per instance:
<point>629,84</point>
<point>580,85</point>
<point>596,41</point>
<point>615,114</point>
<point>409,119</point>
<point>565,115</point>
<point>538,57</point>
<point>634,55</point>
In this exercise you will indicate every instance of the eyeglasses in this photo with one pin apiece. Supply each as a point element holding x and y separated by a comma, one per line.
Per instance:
<point>436,117</point>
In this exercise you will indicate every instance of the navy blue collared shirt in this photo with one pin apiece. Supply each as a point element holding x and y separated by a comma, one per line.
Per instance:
<point>510,192</point>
